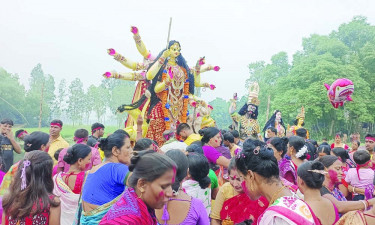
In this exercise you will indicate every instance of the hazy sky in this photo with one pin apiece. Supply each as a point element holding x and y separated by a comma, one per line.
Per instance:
<point>69,38</point>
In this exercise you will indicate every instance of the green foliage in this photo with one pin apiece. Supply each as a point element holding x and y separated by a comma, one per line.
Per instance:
<point>75,102</point>
<point>346,53</point>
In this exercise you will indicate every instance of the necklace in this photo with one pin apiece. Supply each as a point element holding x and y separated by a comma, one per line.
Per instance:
<point>275,195</point>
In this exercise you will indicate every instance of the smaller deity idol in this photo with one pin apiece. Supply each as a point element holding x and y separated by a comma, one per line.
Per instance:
<point>275,121</point>
<point>299,123</point>
<point>246,119</point>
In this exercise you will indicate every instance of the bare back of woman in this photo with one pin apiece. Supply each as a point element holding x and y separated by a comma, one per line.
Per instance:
<point>178,208</point>
<point>324,210</point>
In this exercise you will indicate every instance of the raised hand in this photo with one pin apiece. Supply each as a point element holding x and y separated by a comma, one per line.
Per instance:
<point>166,53</point>
<point>111,51</point>
<point>134,30</point>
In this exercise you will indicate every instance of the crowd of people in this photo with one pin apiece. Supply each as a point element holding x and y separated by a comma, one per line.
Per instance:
<point>209,177</point>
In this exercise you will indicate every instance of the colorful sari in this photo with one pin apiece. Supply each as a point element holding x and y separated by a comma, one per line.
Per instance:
<point>192,188</point>
<point>354,218</point>
<point>287,170</point>
<point>241,208</point>
<point>129,209</point>
<point>69,200</point>
<point>93,216</point>
<point>288,210</point>
<point>7,179</point>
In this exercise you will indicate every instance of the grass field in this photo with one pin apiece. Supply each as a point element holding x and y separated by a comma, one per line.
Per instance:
<point>67,133</point>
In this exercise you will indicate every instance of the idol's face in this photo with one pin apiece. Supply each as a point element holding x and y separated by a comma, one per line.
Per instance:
<point>278,116</point>
<point>175,50</point>
<point>251,109</point>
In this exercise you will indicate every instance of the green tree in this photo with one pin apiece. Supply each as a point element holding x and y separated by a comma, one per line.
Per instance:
<point>12,98</point>
<point>75,102</point>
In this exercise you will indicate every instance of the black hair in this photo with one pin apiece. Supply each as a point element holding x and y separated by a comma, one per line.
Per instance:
<point>298,143</point>
<point>76,152</point>
<point>115,139</point>
<point>36,197</point>
<point>235,133</point>
<point>18,132</point>
<point>358,142</point>
<point>272,129</point>
<point>181,127</point>
<point>35,140</point>
<point>370,135</point>
<point>96,125</point>
<point>280,144</point>
<point>143,144</point>
<point>312,179</point>
<point>301,132</point>
<point>245,110</point>
<point>339,134</point>
<point>149,165</point>
<point>197,148</point>
<point>361,157</point>
<point>341,153</point>
<point>271,122</point>
<point>325,149</point>
<point>228,137</point>
<point>328,160</point>
<point>121,131</point>
<point>154,100</point>
<point>57,153</point>
<point>324,143</point>
<point>199,169</point>
<point>81,133</point>
<point>183,164</point>
<point>296,122</point>
<point>256,142</point>
<point>259,160</point>
<point>313,142</point>
<point>7,121</point>
<point>57,121</point>
<point>208,133</point>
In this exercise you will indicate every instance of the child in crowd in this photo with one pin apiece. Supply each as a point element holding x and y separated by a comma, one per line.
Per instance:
<point>362,176</point>
<point>30,199</point>
<point>56,156</point>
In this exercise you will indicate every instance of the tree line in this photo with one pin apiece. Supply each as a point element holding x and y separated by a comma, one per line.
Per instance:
<point>45,100</point>
<point>286,85</point>
<point>348,52</point>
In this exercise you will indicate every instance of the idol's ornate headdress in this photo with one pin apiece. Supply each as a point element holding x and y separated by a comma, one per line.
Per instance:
<point>301,114</point>
<point>253,94</point>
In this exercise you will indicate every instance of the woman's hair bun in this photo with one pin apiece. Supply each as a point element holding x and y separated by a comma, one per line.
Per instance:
<point>69,156</point>
<point>201,132</point>
<point>103,143</point>
<point>316,165</point>
<point>136,157</point>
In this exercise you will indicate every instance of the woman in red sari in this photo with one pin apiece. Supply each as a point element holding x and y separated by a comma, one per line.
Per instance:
<point>150,186</point>
<point>232,206</point>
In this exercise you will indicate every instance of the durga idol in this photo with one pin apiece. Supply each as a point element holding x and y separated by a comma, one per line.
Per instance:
<point>172,83</point>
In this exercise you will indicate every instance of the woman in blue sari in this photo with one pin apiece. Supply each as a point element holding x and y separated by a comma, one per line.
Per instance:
<point>105,182</point>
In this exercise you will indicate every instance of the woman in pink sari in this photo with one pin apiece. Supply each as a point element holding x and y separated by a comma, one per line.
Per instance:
<point>150,186</point>
<point>259,172</point>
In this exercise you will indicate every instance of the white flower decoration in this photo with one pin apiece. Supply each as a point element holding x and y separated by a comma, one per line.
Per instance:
<point>301,152</point>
